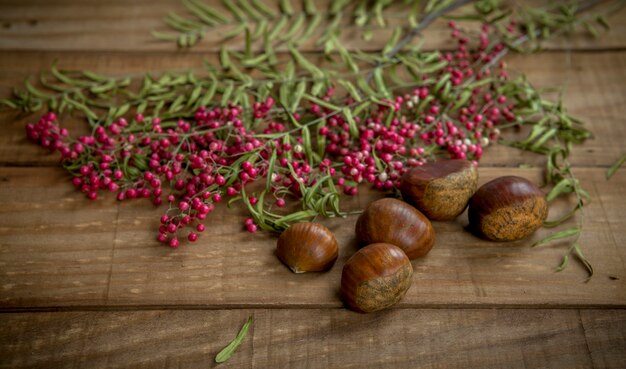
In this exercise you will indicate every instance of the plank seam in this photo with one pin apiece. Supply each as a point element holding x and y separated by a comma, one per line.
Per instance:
<point>610,49</point>
<point>114,308</point>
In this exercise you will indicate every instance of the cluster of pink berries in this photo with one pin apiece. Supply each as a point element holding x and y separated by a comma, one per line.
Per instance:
<point>193,164</point>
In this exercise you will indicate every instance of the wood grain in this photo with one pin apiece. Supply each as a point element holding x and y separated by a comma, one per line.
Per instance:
<point>54,244</point>
<point>605,332</point>
<point>592,82</point>
<point>84,284</point>
<point>312,338</point>
<point>123,26</point>
<point>112,247</point>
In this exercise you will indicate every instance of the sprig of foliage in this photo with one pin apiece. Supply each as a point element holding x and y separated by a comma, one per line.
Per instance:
<point>553,134</point>
<point>290,22</point>
<point>539,24</point>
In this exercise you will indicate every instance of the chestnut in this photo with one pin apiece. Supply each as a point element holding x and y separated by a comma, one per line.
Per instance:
<point>307,247</point>
<point>375,277</point>
<point>398,223</point>
<point>440,189</point>
<point>507,209</point>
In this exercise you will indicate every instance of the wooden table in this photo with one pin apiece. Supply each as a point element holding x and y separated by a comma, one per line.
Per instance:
<point>84,284</point>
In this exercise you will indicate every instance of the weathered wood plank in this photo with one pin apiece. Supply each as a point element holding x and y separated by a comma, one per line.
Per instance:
<point>123,26</point>
<point>230,267</point>
<point>54,245</point>
<point>593,82</point>
<point>311,338</point>
<point>605,331</point>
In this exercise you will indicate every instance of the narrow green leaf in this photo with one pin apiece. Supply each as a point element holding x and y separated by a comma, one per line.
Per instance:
<point>95,76</point>
<point>380,82</point>
<point>278,27</point>
<point>346,56</point>
<point>364,86</point>
<point>615,166</point>
<point>312,26</point>
<point>33,91</point>
<point>105,87</point>
<point>354,131</point>
<point>393,41</point>
<point>237,13</point>
<point>177,104</point>
<point>306,142</point>
<point>285,7</point>
<point>351,89</point>
<point>537,130</point>
<point>556,222</point>
<point>211,12</point>
<point>564,186</point>
<point>480,83</point>
<point>236,31</point>
<point>557,236</point>
<point>296,217</point>
<point>9,103</point>
<point>295,27</point>
<point>193,96</point>
<point>463,98</point>
<point>579,254</point>
<point>230,349</point>
<point>321,102</point>
<point>591,29</point>
<point>309,7</point>
<point>441,82</point>
<point>337,6</point>
<point>297,95</point>
<point>255,61</point>
<point>270,169</point>
<point>546,136</point>
<point>141,108</point>
<point>200,13</point>
<point>249,9</point>
<point>563,264</point>
<point>164,36</point>
<point>305,63</point>
<point>226,94</point>
<point>225,58</point>
<point>378,13</point>
<point>603,22</point>
<point>263,8</point>
<point>182,24</point>
<point>123,109</point>
<point>208,96</point>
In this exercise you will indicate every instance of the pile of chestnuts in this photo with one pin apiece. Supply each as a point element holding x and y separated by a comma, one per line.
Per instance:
<point>394,232</point>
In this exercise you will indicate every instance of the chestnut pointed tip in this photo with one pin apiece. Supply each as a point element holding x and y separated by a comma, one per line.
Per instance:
<point>307,247</point>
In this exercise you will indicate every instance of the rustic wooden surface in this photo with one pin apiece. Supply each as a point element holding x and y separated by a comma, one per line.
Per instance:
<point>83,284</point>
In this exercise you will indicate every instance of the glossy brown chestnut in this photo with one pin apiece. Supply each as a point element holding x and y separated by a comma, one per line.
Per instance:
<point>440,189</point>
<point>398,223</point>
<point>507,209</point>
<point>376,277</point>
<point>307,247</point>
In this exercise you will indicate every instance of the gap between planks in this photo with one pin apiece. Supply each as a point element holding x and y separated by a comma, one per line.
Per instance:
<point>190,307</point>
